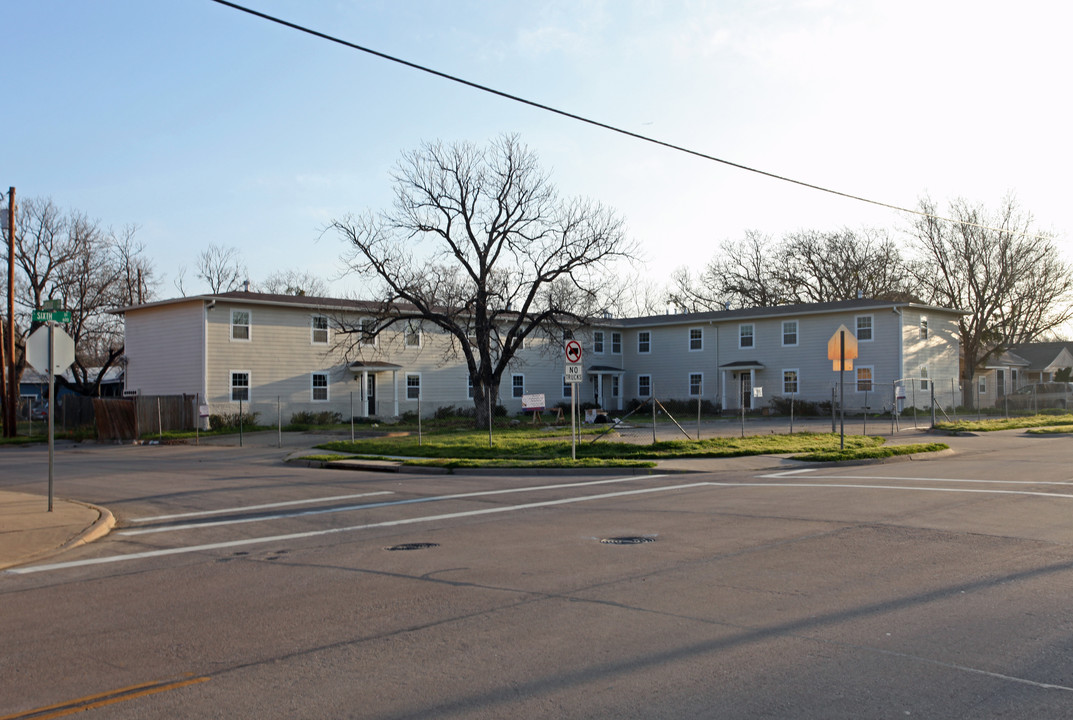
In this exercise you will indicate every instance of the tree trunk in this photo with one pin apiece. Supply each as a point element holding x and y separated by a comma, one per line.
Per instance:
<point>485,399</point>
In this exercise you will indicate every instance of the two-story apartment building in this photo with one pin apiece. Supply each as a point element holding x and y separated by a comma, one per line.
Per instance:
<point>271,350</point>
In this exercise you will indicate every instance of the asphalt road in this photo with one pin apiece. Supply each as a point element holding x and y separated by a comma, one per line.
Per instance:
<point>238,587</point>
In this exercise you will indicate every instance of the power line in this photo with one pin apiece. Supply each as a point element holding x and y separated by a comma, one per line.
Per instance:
<point>595,123</point>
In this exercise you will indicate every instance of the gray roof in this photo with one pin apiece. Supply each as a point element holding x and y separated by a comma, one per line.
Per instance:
<point>1042,354</point>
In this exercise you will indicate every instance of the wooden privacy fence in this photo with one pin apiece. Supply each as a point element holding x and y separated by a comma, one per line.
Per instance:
<point>131,418</point>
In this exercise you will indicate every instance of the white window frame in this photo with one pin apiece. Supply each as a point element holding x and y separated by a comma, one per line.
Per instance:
<point>313,330</point>
<point>923,332</point>
<point>924,379</point>
<point>699,339</point>
<point>796,381</point>
<point>248,325</point>
<point>797,327</point>
<point>648,393</point>
<point>361,332</point>
<point>313,386</point>
<point>857,378</point>
<point>700,384</point>
<point>751,335</point>
<point>871,327</point>
<point>647,341</point>
<point>232,387</point>
<point>982,385</point>
<point>598,342</point>
<point>516,390</point>
<point>568,388</point>
<point>615,386</point>
<point>616,342</point>
<point>410,332</point>
<point>469,386</point>
<point>406,384</point>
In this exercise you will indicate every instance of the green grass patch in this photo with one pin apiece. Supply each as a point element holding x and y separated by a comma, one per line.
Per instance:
<point>1055,430</point>
<point>872,452</point>
<point>544,445</point>
<point>1015,423</point>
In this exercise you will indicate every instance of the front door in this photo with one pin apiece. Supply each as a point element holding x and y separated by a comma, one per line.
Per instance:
<point>370,395</point>
<point>596,390</point>
<point>747,390</point>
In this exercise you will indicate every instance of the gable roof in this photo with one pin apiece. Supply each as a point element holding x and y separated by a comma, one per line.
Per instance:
<point>1046,355</point>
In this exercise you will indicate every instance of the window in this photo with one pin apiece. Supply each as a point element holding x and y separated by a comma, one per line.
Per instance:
<point>696,339</point>
<point>367,331</point>
<point>413,337</point>
<point>469,386</point>
<point>567,335</point>
<point>614,386</point>
<point>923,327</point>
<point>240,324</point>
<point>789,333</point>
<point>864,328</point>
<point>517,385</point>
<point>1000,382</point>
<point>616,343</point>
<point>568,388</point>
<point>864,379</point>
<point>696,384</point>
<point>320,386</point>
<point>598,342</point>
<point>413,386</point>
<point>745,336</point>
<point>644,385</point>
<point>789,382</point>
<point>240,385</point>
<point>923,377</point>
<point>983,384</point>
<point>320,329</point>
<point>644,341</point>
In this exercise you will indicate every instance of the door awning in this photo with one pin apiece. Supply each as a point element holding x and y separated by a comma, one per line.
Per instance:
<point>374,367</point>
<point>743,365</point>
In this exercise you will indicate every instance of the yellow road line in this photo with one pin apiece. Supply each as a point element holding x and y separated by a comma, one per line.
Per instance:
<point>111,697</point>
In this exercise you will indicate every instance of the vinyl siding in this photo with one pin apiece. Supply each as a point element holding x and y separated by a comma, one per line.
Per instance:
<point>165,349</point>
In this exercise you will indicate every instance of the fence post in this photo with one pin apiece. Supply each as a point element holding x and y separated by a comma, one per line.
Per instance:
<point>893,404</point>
<point>279,421</point>
<point>978,411</point>
<point>914,405</point>
<point>953,399</point>
<point>866,412</point>
<point>489,396</point>
<point>159,421</point>
<point>834,414</point>
<point>240,421</point>
<point>420,440</point>
<point>931,386</point>
<point>792,396</point>
<point>351,416</point>
<point>652,399</point>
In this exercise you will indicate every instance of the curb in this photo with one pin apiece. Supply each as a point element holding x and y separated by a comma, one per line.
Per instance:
<point>101,527</point>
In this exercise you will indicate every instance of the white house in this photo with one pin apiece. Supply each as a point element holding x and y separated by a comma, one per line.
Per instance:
<point>270,351</point>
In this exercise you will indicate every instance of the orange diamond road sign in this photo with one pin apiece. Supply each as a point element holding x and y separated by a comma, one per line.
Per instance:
<point>843,341</point>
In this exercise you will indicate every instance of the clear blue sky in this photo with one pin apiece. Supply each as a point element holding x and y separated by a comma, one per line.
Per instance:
<point>204,125</point>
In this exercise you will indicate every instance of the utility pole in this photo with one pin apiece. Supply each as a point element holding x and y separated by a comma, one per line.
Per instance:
<point>12,386</point>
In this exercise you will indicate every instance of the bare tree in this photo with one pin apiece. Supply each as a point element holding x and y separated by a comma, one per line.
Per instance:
<point>804,267</point>
<point>68,257</point>
<point>999,268</point>
<point>221,268</point>
<point>479,244</point>
<point>294,282</point>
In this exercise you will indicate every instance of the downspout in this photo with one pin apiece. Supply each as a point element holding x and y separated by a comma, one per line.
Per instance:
<point>901,343</point>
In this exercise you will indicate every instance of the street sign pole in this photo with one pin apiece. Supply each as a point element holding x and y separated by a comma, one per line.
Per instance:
<point>573,425</point>
<point>51,406</point>
<point>842,389</point>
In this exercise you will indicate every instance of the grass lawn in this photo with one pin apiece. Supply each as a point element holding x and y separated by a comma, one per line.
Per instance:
<point>1015,423</point>
<point>537,448</point>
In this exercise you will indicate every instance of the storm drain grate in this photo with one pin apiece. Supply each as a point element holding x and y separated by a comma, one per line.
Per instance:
<point>628,540</point>
<point>413,546</point>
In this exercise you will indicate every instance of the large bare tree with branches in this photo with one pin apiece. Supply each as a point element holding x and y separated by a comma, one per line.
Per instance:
<point>998,267</point>
<point>804,267</point>
<point>479,244</point>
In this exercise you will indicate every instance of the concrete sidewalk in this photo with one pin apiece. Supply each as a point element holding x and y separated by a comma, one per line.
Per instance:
<point>29,532</point>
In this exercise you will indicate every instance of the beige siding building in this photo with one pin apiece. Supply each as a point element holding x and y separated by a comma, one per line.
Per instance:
<point>274,352</point>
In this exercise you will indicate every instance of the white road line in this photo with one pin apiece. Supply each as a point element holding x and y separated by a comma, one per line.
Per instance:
<point>893,487</point>
<point>247,508</point>
<point>369,506</point>
<point>928,479</point>
<point>331,531</point>
<point>786,473</point>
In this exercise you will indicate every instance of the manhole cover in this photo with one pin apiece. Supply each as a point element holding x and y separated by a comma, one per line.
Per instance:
<point>628,540</point>
<point>413,546</point>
